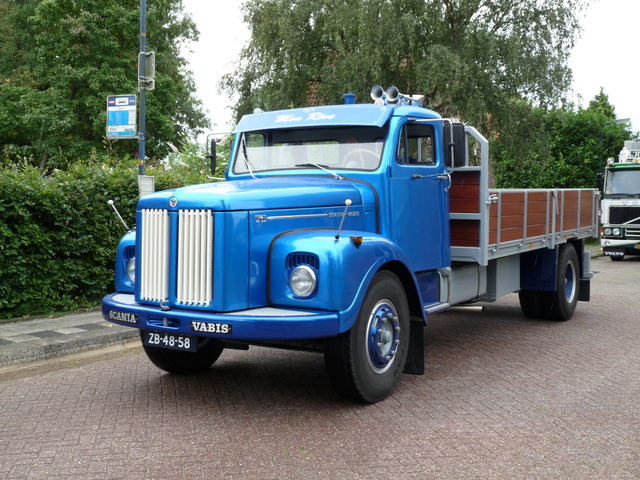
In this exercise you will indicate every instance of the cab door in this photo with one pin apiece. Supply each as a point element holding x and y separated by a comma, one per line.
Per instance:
<point>419,197</point>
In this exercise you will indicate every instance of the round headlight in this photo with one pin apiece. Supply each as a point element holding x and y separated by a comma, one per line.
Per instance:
<point>303,281</point>
<point>131,270</point>
<point>607,231</point>
<point>616,231</point>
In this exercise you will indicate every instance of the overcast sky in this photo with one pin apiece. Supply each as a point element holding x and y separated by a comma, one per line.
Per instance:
<point>603,57</point>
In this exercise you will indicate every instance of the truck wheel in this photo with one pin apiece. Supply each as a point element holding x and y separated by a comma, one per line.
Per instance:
<point>364,364</point>
<point>530,303</point>
<point>561,304</point>
<point>184,363</point>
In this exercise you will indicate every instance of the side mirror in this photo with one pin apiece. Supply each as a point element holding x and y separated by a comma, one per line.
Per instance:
<point>455,145</point>
<point>212,157</point>
<point>600,178</point>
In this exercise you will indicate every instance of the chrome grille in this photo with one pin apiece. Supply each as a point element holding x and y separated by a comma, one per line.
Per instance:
<point>195,258</point>
<point>154,258</point>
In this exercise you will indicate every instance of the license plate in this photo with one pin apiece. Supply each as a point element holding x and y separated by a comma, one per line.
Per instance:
<point>172,341</point>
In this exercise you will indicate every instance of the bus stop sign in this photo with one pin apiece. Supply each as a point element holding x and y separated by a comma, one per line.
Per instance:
<point>121,116</point>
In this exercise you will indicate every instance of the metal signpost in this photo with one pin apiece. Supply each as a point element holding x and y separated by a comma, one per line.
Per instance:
<point>122,109</point>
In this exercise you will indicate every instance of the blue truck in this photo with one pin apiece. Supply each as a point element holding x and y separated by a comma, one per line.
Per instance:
<point>341,229</point>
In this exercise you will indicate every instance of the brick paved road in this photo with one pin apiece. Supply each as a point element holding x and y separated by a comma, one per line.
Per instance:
<point>504,397</point>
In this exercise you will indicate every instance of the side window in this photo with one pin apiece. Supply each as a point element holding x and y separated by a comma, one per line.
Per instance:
<point>416,145</point>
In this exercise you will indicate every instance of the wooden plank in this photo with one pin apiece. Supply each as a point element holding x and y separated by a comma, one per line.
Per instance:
<point>465,233</point>
<point>464,194</point>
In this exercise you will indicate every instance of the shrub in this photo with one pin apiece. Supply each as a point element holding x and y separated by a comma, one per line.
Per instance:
<point>58,235</point>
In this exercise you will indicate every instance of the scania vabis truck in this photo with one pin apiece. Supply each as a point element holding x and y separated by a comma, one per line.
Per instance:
<point>341,229</point>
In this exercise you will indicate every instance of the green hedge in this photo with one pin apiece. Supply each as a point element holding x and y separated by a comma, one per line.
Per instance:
<point>58,235</point>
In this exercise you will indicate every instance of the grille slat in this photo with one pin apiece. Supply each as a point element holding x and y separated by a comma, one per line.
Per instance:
<point>195,265</point>
<point>154,257</point>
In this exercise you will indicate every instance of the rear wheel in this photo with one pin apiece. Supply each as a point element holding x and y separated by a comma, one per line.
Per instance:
<point>183,363</point>
<point>364,364</point>
<point>561,304</point>
<point>530,303</point>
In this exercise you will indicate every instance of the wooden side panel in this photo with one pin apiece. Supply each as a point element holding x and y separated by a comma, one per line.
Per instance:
<point>587,208</point>
<point>569,218</point>
<point>465,233</point>
<point>536,214</point>
<point>464,194</point>
<point>464,197</point>
<point>511,216</point>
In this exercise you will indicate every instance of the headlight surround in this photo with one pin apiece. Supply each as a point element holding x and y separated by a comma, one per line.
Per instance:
<point>303,281</point>
<point>131,270</point>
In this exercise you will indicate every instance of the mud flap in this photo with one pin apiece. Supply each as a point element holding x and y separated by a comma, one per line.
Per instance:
<point>415,358</point>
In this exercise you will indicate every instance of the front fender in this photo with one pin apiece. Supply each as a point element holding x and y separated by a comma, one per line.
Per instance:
<point>126,251</point>
<point>344,270</point>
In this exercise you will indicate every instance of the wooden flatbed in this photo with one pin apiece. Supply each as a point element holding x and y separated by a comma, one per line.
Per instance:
<point>489,223</point>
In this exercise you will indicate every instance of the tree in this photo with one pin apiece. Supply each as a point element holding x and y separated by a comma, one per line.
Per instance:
<point>559,148</point>
<point>69,55</point>
<point>600,103</point>
<point>469,58</point>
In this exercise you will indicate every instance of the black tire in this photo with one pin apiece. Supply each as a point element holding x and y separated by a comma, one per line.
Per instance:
<point>561,304</point>
<point>530,303</point>
<point>364,364</point>
<point>184,363</point>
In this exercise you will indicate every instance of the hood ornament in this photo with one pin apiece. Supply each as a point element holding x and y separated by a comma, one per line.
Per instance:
<point>173,202</point>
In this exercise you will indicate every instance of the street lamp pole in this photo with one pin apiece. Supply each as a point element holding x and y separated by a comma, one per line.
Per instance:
<point>618,121</point>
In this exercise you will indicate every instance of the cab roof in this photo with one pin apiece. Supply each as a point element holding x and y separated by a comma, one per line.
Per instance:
<point>333,115</point>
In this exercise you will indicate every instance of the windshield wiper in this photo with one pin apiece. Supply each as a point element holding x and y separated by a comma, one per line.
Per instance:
<point>246,157</point>
<point>321,167</point>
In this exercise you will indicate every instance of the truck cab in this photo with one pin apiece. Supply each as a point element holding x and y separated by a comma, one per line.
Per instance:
<point>620,204</point>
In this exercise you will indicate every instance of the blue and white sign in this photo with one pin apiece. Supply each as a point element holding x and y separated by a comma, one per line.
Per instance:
<point>121,116</point>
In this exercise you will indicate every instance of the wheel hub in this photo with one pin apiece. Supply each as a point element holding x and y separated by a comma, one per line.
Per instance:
<point>383,336</point>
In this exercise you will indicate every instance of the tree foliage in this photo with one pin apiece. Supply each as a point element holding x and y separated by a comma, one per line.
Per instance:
<point>564,147</point>
<point>62,58</point>
<point>469,58</point>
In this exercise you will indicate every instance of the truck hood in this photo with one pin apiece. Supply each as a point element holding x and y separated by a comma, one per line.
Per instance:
<point>257,194</point>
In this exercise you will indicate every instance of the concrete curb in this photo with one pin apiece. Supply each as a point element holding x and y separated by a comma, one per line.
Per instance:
<point>50,348</point>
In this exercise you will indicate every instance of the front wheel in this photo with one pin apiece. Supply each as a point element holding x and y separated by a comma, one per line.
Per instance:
<point>184,363</point>
<point>364,364</point>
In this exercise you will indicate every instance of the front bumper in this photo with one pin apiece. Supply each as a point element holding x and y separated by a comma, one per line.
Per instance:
<point>266,323</point>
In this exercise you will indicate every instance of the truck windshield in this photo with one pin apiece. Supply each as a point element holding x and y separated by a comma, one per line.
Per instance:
<point>351,148</point>
<point>622,182</point>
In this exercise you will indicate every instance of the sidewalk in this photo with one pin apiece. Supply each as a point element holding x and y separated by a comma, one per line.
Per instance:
<point>29,341</point>
<point>23,342</point>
